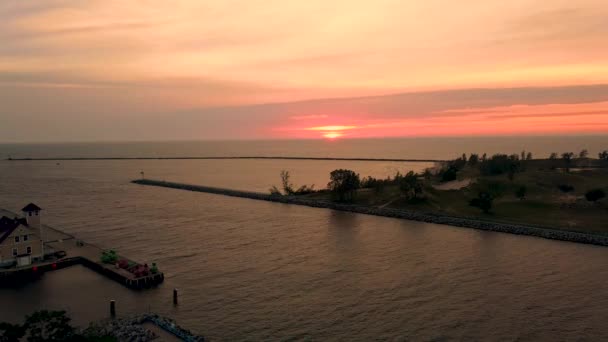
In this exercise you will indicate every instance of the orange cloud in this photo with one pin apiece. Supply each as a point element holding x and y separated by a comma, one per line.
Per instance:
<point>330,128</point>
<point>308,117</point>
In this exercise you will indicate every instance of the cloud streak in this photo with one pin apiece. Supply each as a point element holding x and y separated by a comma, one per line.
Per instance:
<point>272,68</point>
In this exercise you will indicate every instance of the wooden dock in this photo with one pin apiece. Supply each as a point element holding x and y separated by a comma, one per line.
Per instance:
<point>77,252</point>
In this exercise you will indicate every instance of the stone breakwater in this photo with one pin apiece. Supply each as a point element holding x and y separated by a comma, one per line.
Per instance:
<point>132,329</point>
<point>547,233</point>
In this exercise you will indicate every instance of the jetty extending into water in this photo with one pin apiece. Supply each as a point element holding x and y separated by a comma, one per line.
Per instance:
<point>65,250</point>
<point>436,218</point>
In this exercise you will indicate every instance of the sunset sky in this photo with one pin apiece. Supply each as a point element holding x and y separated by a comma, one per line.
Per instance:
<point>73,70</point>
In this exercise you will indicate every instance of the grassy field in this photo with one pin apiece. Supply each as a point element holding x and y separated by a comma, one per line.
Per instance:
<point>543,205</point>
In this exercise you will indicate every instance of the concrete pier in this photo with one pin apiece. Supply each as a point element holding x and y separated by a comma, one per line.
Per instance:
<point>77,252</point>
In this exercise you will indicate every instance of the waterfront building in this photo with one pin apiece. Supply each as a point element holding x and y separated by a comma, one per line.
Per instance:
<point>21,238</point>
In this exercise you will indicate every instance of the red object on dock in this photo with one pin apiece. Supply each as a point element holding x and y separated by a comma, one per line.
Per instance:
<point>35,268</point>
<point>54,265</point>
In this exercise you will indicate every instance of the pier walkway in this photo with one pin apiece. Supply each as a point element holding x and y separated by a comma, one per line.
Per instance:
<point>64,250</point>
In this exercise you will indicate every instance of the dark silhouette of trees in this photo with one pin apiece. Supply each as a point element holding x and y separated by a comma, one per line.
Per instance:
<point>275,191</point>
<point>379,184</point>
<point>483,201</point>
<point>567,158</point>
<point>450,169</point>
<point>529,156</point>
<point>449,174</point>
<point>603,155</point>
<point>48,326</point>
<point>410,185</point>
<point>473,159</point>
<point>565,188</point>
<point>11,332</point>
<point>521,192</point>
<point>583,154</point>
<point>287,186</point>
<point>553,156</point>
<point>500,164</point>
<point>595,195</point>
<point>344,184</point>
<point>305,189</point>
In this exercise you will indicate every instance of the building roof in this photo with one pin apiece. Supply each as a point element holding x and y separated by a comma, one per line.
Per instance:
<point>8,226</point>
<point>31,207</point>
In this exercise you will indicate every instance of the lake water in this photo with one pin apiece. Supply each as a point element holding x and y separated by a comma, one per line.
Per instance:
<point>250,270</point>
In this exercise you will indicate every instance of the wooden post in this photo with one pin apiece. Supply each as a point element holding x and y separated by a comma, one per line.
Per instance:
<point>113,308</point>
<point>174,296</point>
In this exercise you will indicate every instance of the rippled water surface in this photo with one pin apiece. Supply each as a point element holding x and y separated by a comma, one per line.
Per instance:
<point>265,271</point>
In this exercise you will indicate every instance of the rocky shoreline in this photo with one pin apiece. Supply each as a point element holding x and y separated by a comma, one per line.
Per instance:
<point>542,232</point>
<point>131,329</point>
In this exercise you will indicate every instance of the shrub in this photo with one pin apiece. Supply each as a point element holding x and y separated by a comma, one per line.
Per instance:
<point>274,191</point>
<point>483,201</point>
<point>109,256</point>
<point>448,174</point>
<point>410,185</point>
<point>47,325</point>
<point>565,188</point>
<point>287,186</point>
<point>305,189</point>
<point>567,158</point>
<point>521,192</point>
<point>595,195</point>
<point>499,164</point>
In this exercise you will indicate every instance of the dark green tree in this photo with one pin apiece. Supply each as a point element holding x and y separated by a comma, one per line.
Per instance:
<point>410,185</point>
<point>595,195</point>
<point>521,192</point>
<point>565,188</point>
<point>46,326</point>
<point>11,332</point>
<point>483,201</point>
<point>287,186</point>
<point>499,164</point>
<point>567,158</point>
<point>344,184</point>
<point>449,174</point>
<point>473,159</point>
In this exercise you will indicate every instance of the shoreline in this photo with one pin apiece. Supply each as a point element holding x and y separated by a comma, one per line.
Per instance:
<point>518,229</point>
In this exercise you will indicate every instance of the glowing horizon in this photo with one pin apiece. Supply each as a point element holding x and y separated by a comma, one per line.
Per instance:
<point>116,70</point>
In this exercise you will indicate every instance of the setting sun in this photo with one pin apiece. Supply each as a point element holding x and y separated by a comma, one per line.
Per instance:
<point>332,135</point>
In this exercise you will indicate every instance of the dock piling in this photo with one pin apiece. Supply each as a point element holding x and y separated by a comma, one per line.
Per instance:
<point>113,308</point>
<point>174,296</point>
